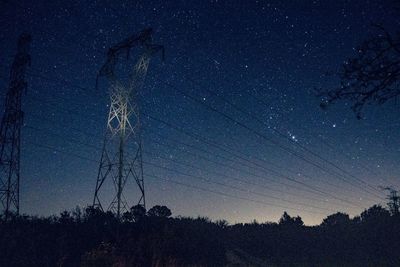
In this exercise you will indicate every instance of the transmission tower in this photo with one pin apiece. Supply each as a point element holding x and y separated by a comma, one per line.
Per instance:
<point>121,159</point>
<point>394,200</point>
<point>10,129</point>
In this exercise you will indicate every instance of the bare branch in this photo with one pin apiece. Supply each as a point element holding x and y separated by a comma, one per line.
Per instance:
<point>370,78</point>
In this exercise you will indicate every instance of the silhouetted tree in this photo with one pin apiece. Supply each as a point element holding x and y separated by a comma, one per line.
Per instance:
<point>371,240</point>
<point>138,212</point>
<point>372,76</point>
<point>336,219</point>
<point>287,220</point>
<point>77,214</point>
<point>375,214</point>
<point>127,217</point>
<point>92,212</point>
<point>222,223</point>
<point>159,211</point>
<point>65,217</point>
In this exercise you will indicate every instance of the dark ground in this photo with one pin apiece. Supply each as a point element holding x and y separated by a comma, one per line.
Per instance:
<point>93,238</point>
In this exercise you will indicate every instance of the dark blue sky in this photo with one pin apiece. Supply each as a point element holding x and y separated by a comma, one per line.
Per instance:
<point>266,57</point>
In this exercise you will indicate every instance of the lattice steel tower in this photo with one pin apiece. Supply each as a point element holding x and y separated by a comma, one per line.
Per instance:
<point>10,129</point>
<point>121,158</point>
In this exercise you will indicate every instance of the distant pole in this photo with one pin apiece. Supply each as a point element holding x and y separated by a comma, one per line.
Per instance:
<point>10,129</point>
<point>121,158</point>
<point>394,201</point>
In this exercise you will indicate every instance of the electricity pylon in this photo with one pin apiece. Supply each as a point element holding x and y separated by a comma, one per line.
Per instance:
<point>394,200</point>
<point>121,158</point>
<point>10,129</point>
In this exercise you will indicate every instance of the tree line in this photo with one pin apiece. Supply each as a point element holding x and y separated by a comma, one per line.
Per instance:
<point>90,237</point>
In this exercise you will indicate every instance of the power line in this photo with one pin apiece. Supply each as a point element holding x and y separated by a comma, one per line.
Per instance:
<point>249,114</point>
<point>232,196</point>
<point>251,174</point>
<point>227,151</point>
<point>90,135</point>
<point>219,164</point>
<point>293,180</point>
<point>248,128</point>
<point>171,170</point>
<point>176,182</point>
<point>69,111</point>
<point>231,186</point>
<point>63,137</point>
<point>237,169</point>
<point>60,81</point>
<point>272,129</point>
<point>200,139</point>
<point>226,176</point>
<point>252,163</point>
<point>228,159</point>
<point>325,142</point>
<point>213,144</point>
<point>236,122</point>
<point>196,155</point>
<point>61,151</point>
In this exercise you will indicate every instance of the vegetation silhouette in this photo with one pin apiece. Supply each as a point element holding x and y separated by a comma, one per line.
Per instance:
<point>89,237</point>
<point>372,76</point>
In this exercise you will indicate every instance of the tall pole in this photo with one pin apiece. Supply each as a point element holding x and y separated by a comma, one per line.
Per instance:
<point>121,158</point>
<point>10,129</point>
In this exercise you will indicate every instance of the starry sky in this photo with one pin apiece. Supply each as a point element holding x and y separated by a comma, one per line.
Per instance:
<point>258,62</point>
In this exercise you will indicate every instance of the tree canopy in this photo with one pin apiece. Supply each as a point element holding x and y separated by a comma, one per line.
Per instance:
<point>91,237</point>
<point>372,76</point>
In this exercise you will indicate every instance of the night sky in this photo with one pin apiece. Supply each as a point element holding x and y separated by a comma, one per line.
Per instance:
<point>264,57</point>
